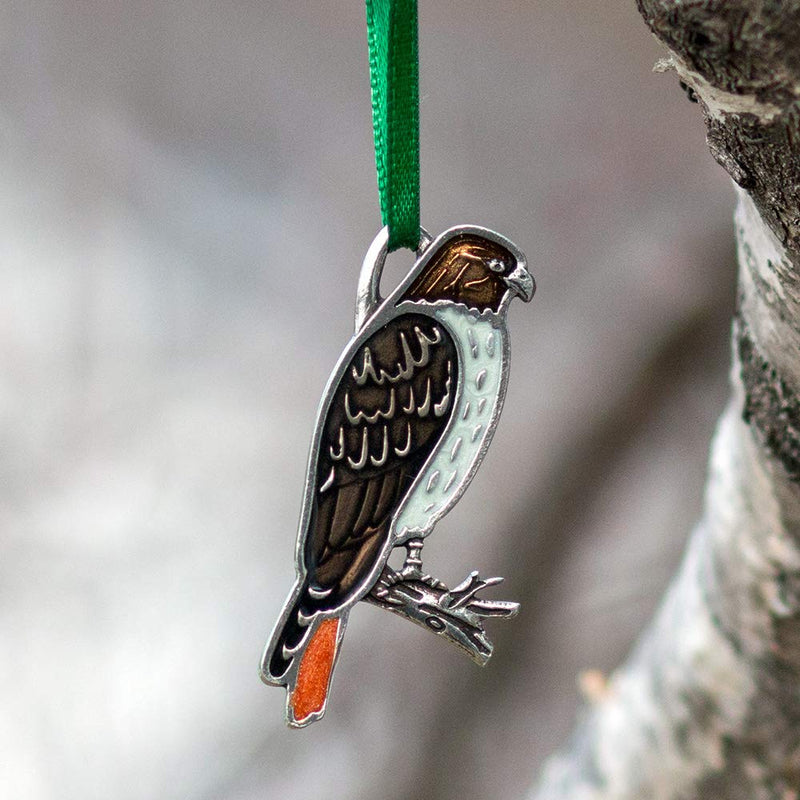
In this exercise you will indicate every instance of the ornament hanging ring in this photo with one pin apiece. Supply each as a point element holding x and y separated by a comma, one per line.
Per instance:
<point>368,295</point>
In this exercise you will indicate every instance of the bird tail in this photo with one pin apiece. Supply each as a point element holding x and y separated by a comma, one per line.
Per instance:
<point>301,655</point>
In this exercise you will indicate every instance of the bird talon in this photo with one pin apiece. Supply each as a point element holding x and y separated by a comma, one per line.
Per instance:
<point>434,583</point>
<point>411,573</point>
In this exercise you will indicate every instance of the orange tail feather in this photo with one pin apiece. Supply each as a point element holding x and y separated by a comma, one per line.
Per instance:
<point>310,691</point>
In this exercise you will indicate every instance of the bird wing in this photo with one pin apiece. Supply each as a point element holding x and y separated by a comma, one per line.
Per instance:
<point>389,410</point>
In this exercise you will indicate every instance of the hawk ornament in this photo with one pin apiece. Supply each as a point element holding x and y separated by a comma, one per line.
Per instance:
<point>405,419</point>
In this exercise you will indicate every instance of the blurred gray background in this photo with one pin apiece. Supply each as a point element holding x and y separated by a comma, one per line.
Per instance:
<point>186,193</point>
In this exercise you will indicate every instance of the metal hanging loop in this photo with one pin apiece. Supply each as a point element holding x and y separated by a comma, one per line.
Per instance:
<point>368,296</point>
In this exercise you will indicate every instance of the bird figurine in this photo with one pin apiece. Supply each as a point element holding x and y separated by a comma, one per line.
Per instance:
<point>404,422</point>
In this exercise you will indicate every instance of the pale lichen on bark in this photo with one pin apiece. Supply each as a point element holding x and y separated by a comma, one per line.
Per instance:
<point>742,59</point>
<point>708,705</point>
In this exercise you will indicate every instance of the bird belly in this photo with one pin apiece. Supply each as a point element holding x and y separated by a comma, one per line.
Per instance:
<point>481,342</point>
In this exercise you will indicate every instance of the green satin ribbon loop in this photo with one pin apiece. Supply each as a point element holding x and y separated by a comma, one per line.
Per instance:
<point>394,77</point>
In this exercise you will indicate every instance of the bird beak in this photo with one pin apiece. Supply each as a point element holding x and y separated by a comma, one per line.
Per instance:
<point>521,283</point>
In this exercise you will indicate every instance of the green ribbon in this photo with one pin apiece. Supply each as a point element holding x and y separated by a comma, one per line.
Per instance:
<point>394,77</point>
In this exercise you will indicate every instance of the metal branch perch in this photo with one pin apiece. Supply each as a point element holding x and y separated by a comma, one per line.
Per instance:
<point>708,705</point>
<point>456,614</point>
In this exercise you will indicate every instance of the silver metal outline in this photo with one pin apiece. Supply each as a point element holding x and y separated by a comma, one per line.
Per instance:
<point>372,313</point>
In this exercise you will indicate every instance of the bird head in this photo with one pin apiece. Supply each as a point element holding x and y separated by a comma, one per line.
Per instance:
<point>470,268</point>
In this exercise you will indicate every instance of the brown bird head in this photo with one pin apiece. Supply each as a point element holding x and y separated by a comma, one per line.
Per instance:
<point>471,269</point>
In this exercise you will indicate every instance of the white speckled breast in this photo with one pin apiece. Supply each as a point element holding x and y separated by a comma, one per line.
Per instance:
<point>482,353</point>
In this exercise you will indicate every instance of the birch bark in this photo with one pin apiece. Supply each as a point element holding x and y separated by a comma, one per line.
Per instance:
<point>708,704</point>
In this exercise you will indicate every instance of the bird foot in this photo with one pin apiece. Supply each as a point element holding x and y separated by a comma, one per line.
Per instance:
<point>407,575</point>
<point>456,614</point>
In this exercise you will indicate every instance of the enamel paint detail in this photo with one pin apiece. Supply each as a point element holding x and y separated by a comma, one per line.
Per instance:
<point>481,351</point>
<point>403,424</point>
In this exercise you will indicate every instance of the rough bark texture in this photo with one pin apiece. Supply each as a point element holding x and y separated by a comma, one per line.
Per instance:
<point>708,706</point>
<point>742,59</point>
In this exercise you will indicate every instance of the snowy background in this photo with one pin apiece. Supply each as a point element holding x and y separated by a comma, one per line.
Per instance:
<point>186,193</point>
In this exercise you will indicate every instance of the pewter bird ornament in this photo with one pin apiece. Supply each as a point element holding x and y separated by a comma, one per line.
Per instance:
<point>404,422</point>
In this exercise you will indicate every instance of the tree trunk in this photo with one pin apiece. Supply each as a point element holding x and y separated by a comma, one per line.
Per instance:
<point>708,704</point>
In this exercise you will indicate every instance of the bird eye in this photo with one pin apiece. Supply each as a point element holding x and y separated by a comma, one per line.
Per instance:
<point>495,265</point>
